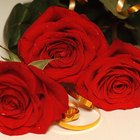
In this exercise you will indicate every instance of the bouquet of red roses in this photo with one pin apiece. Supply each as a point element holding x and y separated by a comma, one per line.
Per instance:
<point>61,52</point>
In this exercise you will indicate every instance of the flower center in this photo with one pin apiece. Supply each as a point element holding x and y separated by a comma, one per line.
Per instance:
<point>9,103</point>
<point>60,54</point>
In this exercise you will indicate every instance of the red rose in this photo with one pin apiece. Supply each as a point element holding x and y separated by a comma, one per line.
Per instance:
<point>64,34</point>
<point>113,80</point>
<point>28,104</point>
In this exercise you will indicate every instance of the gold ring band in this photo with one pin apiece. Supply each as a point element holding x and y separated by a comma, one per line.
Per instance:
<point>80,127</point>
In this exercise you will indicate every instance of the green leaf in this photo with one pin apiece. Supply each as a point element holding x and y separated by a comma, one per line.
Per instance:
<point>14,26</point>
<point>6,59</point>
<point>111,6</point>
<point>12,56</point>
<point>129,26</point>
<point>133,2</point>
<point>41,64</point>
<point>134,20</point>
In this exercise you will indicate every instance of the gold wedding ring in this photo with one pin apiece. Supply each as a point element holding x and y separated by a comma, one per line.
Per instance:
<point>72,113</point>
<point>65,125</point>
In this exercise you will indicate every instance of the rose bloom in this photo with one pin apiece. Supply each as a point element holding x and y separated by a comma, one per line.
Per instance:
<point>28,104</point>
<point>113,79</point>
<point>65,35</point>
